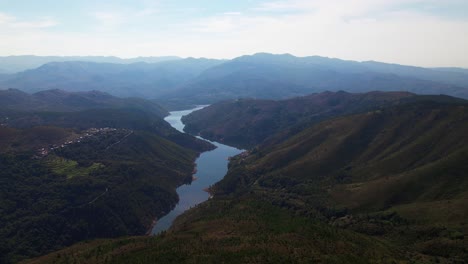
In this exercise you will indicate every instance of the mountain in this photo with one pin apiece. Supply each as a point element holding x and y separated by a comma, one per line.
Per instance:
<point>106,185</point>
<point>83,110</point>
<point>454,76</point>
<point>62,101</point>
<point>182,83</point>
<point>14,64</point>
<point>383,186</point>
<point>85,165</point>
<point>452,69</point>
<point>248,122</point>
<point>269,76</point>
<point>146,80</point>
<point>396,173</point>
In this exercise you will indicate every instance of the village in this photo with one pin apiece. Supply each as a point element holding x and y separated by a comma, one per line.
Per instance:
<point>82,137</point>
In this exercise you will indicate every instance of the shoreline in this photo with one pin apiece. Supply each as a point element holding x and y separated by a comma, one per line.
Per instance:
<point>150,230</point>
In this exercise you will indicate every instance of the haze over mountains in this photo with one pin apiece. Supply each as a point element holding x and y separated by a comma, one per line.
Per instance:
<point>181,82</point>
<point>146,80</point>
<point>14,64</point>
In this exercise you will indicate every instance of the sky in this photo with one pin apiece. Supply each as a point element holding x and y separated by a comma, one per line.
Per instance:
<point>428,33</point>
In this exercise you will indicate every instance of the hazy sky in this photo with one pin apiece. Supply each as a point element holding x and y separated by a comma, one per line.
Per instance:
<point>415,32</point>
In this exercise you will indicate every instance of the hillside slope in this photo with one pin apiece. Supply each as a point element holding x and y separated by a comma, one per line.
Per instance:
<point>398,173</point>
<point>384,186</point>
<point>63,101</point>
<point>248,122</point>
<point>71,176</point>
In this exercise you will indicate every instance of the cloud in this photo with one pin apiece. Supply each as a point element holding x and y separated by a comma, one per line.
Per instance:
<point>358,30</point>
<point>109,19</point>
<point>232,13</point>
<point>8,22</point>
<point>147,12</point>
<point>114,19</point>
<point>399,31</point>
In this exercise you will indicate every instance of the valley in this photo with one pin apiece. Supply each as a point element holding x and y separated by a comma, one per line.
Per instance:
<point>339,176</point>
<point>210,167</point>
<point>254,131</point>
<point>383,183</point>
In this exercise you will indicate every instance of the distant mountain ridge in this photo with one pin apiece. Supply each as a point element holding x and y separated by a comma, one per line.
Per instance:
<point>14,64</point>
<point>146,80</point>
<point>269,76</point>
<point>182,83</point>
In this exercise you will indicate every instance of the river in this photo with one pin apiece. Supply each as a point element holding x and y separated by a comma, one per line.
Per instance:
<point>211,168</point>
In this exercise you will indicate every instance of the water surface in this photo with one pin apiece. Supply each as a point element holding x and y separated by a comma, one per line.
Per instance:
<point>211,168</point>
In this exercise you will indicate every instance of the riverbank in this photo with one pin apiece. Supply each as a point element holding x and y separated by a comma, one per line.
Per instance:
<point>210,167</point>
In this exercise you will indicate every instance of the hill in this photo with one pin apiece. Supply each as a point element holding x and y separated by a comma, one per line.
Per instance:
<point>248,122</point>
<point>134,119</point>
<point>384,186</point>
<point>62,101</point>
<point>376,173</point>
<point>91,172</point>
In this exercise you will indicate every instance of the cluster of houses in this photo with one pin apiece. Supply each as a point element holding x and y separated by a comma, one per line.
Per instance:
<point>42,152</point>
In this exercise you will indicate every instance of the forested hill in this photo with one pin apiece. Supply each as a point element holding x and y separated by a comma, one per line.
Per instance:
<point>248,122</point>
<point>104,167</point>
<point>63,101</point>
<point>383,186</point>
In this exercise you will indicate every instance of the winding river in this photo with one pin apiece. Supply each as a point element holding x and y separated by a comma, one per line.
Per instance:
<point>211,168</point>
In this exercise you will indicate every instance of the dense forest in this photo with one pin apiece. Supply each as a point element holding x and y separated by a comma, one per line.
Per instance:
<point>384,186</point>
<point>97,173</point>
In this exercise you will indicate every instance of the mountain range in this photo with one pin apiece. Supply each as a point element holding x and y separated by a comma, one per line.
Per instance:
<point>270,76</point>
<point>14,64</point>
<point>145,80</point>
<point>186,82</point>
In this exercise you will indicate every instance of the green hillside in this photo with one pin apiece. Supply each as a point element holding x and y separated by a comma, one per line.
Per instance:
<point>384,186</point>
<point>108,186</point>
<point>249,122</point>
<point>397,174</point>
<point>67,177</point>
<point>62,101</point>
